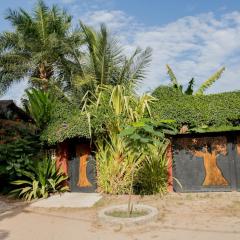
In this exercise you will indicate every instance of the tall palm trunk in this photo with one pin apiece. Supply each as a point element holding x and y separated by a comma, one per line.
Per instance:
<point>45,73</point>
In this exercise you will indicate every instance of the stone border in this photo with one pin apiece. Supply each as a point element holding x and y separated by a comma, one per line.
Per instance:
<point>151,216</point>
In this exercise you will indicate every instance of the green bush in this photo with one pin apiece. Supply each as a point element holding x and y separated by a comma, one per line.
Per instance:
<point>41,180</point>
<point>19,147</point>
<point>152,177</point>
<point>115,165</point>
<point>147,138</point>
<point>197,112</point>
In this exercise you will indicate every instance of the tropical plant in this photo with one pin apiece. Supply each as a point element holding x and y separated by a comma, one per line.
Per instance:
<point>40,47</point>
<point>19,147</point>
<point>105,63</point>
<point>111,107</point>
<point>39,106</point>
<point>128,130</point>
<point>148,137</point>
<point>115,164</point>
<point>189,90</point>
<point>152,176</point>
<point>43,179</point>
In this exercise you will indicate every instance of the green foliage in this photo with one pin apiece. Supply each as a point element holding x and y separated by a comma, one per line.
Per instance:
<point>152,177</point>
<point>40,106</point>
<point>115,164</point>
<point>146,131</point>
<point>67,121</point>
<point>129,133</point>
<point>40,181</point>
<point>173,78</point>
<point>107,65</point>
<point>19,147</point>
<point>148,138</point>
<point>209,82</point>
<point>41,46</point>
<point>199,113</point>
<point>189,90</point>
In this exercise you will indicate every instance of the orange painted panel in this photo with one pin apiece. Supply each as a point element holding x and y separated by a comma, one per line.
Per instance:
<point>83,151</point>
<point>62,155</point>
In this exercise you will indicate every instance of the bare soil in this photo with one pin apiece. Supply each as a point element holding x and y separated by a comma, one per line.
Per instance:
<point>181,216</point>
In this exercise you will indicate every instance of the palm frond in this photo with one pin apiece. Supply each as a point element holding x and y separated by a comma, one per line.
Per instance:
<point>209,82</point>
<point>172,77</point>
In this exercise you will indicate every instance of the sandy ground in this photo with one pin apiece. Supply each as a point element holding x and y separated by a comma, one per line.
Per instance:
<point>181,216</point>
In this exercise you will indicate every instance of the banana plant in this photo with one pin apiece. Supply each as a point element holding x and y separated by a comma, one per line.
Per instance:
<point>189,90</point>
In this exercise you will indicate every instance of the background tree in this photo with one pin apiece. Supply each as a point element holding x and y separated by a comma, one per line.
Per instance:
<point>40,47</point>
<point>189,90</point>
<point>106,63</point>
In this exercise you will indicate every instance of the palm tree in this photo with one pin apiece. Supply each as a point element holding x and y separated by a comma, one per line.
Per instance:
<point>189,90</point>
<point>41,47</point>
<point>106,63</point>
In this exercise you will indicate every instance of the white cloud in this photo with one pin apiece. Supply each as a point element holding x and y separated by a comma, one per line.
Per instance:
<point>195,46</point>
<point>116,20</point>
<point>67,1</point>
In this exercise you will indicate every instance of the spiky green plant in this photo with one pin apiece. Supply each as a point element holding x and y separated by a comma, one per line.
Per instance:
<point>115,164</point>
<point>40,105</point>
<point>152,176</point>
<point>43,179</point>
<point>209,82</point>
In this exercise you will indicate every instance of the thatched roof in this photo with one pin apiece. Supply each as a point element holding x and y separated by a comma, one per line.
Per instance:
<point>9,110</point>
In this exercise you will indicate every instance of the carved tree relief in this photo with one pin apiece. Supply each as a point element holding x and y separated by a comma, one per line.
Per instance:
<point>209,149</point>
<point>213,173</point>
<point>83,152</point>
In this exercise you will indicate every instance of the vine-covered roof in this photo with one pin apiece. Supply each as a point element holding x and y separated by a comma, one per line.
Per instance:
<point>205,113</point>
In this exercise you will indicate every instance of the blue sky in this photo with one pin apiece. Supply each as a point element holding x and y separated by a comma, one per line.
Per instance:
<point>195,37</point>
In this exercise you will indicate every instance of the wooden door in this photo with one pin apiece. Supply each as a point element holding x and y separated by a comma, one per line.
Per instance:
<point>82,170</point>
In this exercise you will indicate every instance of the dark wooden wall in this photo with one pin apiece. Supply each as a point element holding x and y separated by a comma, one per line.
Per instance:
<point>206,162</point>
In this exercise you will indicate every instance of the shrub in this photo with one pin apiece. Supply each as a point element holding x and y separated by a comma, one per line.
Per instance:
<point>115,165</point>
<point>147,137</point>
<point>41,180</point>
<point>19,147</point>
<point>152,177</point>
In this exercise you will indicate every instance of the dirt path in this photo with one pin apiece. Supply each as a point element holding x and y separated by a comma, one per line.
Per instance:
<point>181,216</point>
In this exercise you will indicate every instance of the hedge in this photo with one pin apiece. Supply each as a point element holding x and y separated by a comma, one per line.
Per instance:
<point>66,122</point>
<point>200,113</point>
